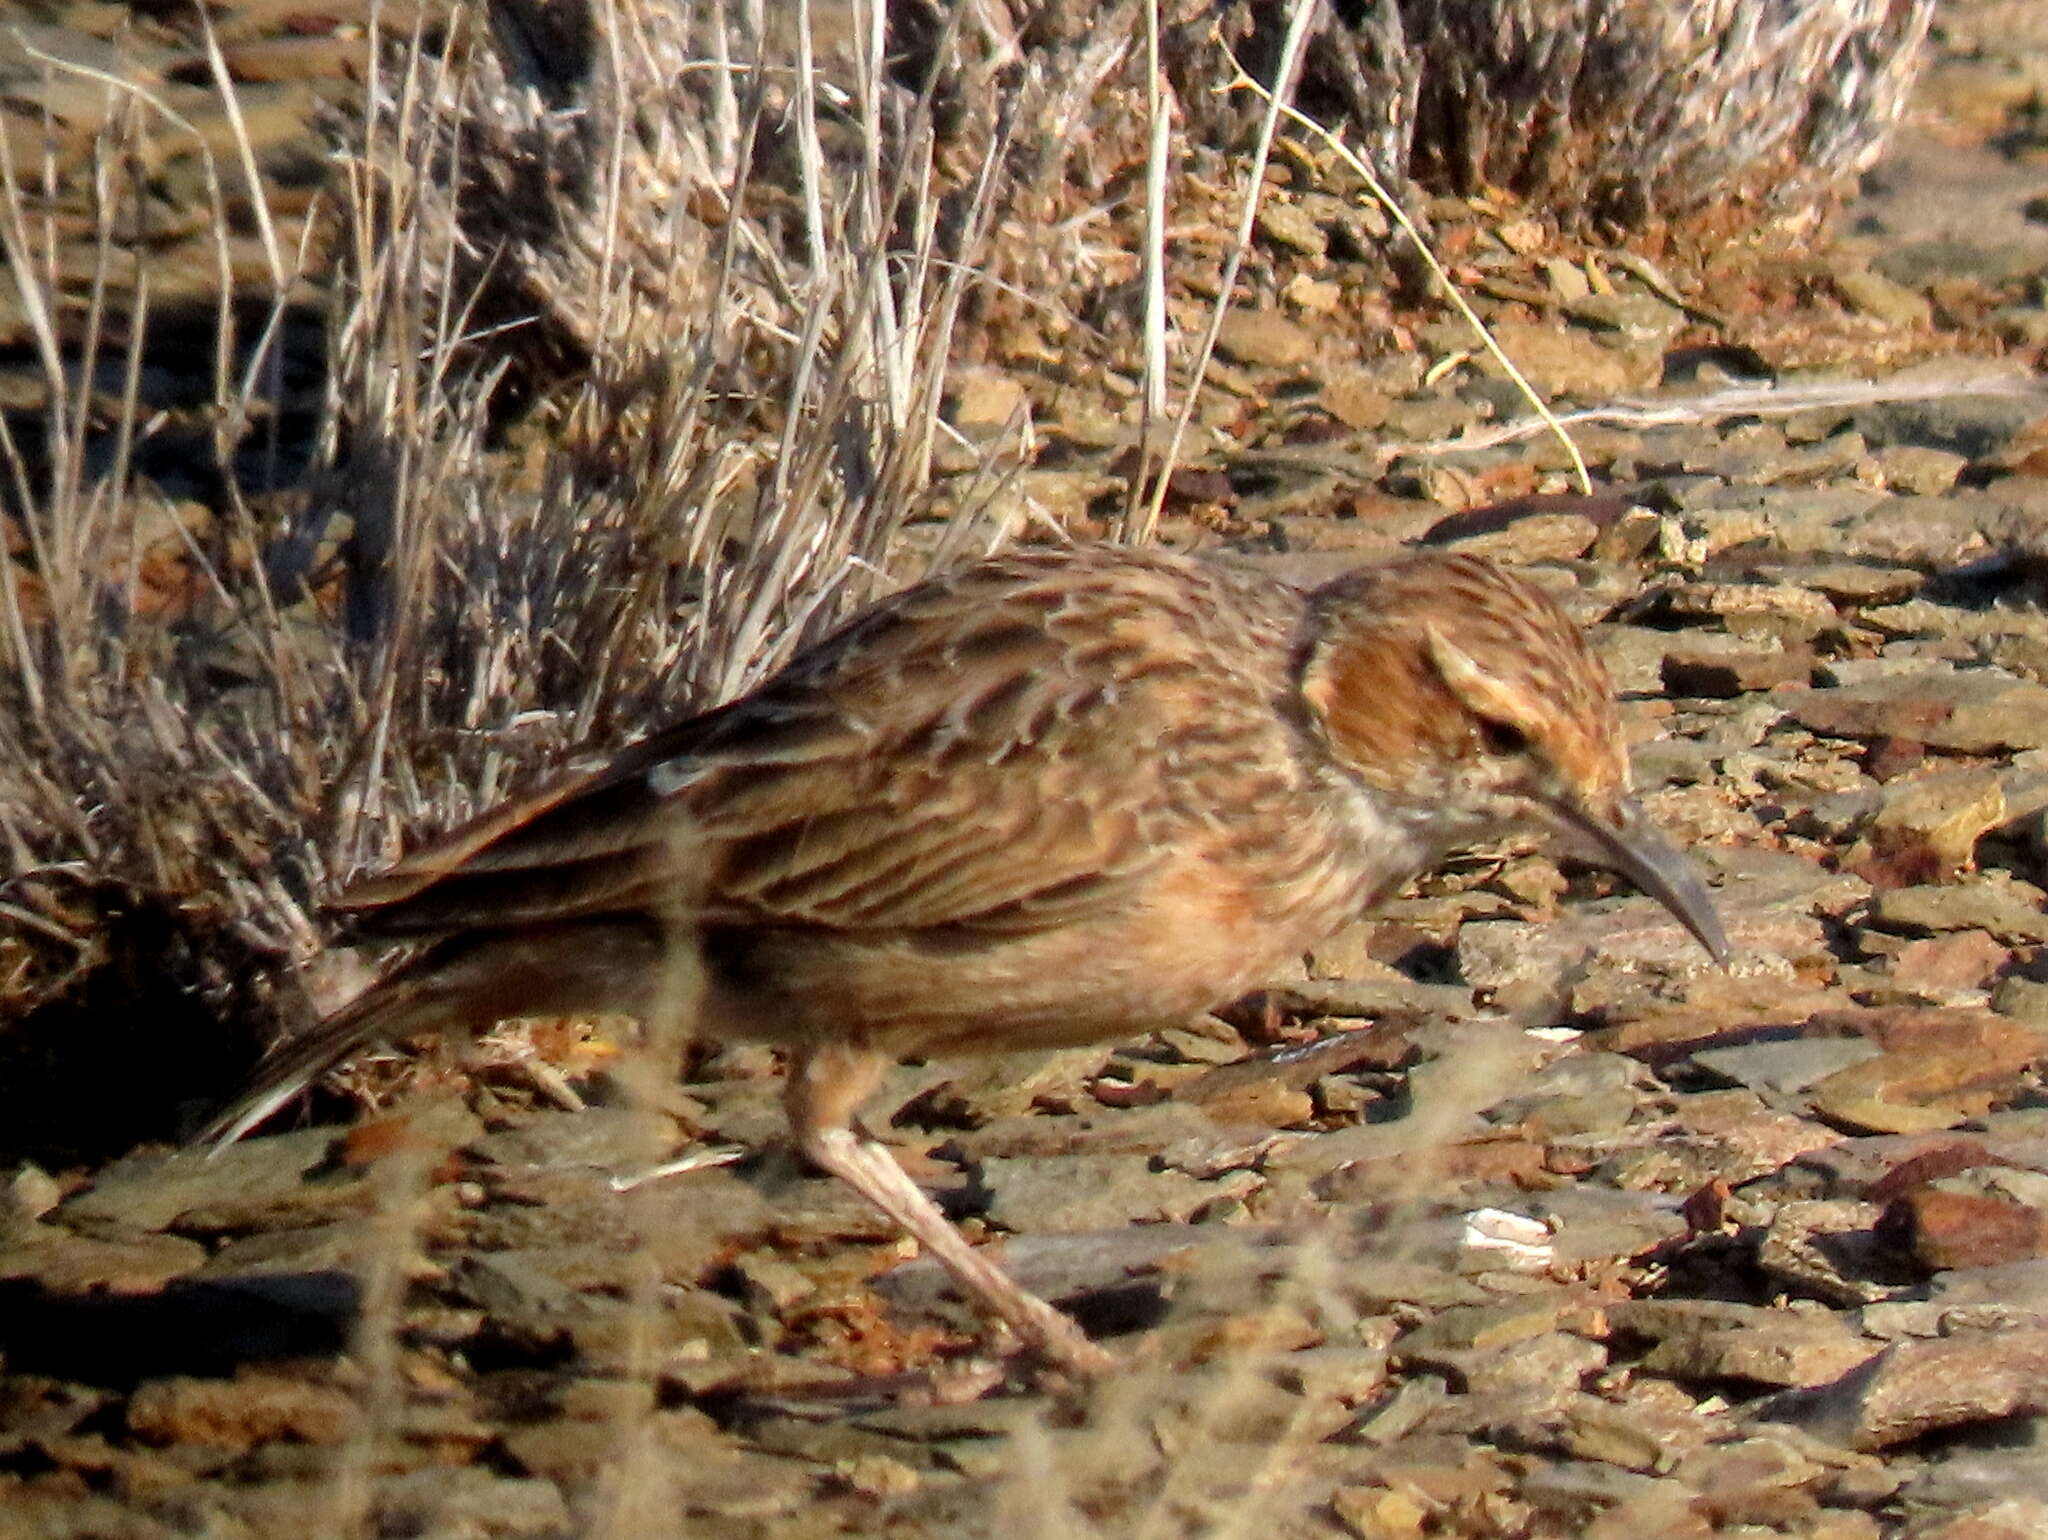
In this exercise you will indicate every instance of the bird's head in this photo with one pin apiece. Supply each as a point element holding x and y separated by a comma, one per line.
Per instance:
<point>1465,697</point>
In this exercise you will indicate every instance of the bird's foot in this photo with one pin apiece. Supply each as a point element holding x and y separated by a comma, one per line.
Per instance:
<point>1036,1331</point>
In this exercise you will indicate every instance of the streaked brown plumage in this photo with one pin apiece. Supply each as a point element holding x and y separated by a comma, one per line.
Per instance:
<point>1053,798</point>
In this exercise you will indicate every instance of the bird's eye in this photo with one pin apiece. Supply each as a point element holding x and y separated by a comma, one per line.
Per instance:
<point>1501,738</point>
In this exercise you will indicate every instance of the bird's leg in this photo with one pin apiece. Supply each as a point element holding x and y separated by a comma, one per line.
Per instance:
<point>825,1086</point>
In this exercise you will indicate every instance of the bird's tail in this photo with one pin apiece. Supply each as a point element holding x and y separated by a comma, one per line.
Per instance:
<point>466,983</point>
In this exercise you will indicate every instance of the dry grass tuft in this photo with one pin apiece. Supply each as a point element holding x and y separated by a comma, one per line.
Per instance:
<point>1608,110</point>
<point>631,386</point>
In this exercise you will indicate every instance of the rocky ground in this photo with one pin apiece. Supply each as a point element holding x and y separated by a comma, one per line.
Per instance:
<point>1507,1216</point>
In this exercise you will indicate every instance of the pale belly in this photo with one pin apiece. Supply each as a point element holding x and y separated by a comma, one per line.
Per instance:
<point>1197,943</point>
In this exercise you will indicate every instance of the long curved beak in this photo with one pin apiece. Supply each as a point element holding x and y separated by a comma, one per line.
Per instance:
<point>1638,849</point>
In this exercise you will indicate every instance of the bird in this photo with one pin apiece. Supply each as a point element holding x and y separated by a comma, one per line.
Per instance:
<point>1055,797</point>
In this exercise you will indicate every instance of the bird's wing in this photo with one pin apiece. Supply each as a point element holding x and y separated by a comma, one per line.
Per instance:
<point>992,752</point>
